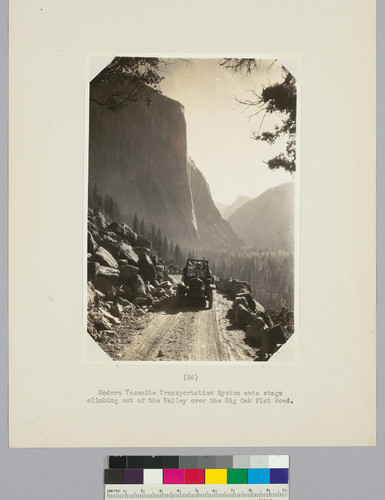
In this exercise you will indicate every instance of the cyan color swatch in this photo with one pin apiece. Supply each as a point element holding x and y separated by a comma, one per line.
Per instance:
<point>258,476</point>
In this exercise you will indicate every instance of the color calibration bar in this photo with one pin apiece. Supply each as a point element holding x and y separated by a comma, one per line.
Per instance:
<point>208,470</point>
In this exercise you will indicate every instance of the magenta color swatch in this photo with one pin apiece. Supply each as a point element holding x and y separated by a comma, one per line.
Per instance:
<point>173,476</point>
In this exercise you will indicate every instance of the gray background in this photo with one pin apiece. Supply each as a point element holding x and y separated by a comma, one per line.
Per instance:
<point>315,473</point>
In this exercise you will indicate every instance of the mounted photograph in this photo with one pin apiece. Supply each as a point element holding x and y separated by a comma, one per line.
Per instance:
<point>191,208</point>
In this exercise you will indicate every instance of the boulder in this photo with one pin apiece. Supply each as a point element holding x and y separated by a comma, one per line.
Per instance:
<point>137,285</point>
<point>104,258</point>
<point>116,310</point>
<point>91,243</point>
<point>259,307</point>
<point>92,270</point>
<point>166,285</point>
<point>141,251</point>
<point>271,338</point>
<point>146,267</point>
<point>141,301</point>
<point>124,231</point>
<point>105,286</point>
<point>99,220</point>
<point>230,315</point>
<point>240,301</point>
<point>122,262</point>
<point>242,316</point>
<point>255,331</point>
<point>127,252</point>
<point>127,292</point>
<point>151,289</point>
<point>100,294</point>
<point>109,273</point>
<point>238,287</point>
<point>108,333</point>
<point>110,317</point>
<point>129,308</point>
<point>110,237</point>
<point>123,302</point>
<point>159,267</point>
<point>127,272</point>
<point>102,323</point>
<point>142,242</point>
<point>233,287</point>
<point>112,247</point>
<point>266,318</point>
<point>251,303</point>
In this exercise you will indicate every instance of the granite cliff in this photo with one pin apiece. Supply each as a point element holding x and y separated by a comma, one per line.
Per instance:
<point>138,155</point>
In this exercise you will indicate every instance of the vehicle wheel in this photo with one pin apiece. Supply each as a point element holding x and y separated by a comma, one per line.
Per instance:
<point>211,298</point>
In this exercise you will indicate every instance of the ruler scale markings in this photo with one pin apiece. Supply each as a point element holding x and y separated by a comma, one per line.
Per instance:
<point>266,493</point>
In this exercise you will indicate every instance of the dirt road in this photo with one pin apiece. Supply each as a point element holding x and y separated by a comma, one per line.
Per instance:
<point>188,333</point>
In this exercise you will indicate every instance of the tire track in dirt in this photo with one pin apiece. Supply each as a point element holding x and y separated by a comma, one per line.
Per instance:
<point>207,345</point>
<point>185,334</point>
<point>188,333</point>
<point>151,340</point>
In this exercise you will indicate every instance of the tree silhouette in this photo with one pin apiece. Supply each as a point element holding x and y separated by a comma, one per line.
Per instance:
<point>125,80</point>
<point>142,227</point>
<point>135,223</point>
<point>278,98</point>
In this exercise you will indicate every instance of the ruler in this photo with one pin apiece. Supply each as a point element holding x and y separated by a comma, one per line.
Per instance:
<point>194,492</point>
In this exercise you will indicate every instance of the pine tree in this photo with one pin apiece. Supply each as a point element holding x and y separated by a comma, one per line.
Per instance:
<point>177,254</point>
<point>171,250</point>
<point>165,248</point>
<point>159,240</point>
<point>135,223</point>
<point>153,236</point>
<point>142,227</point>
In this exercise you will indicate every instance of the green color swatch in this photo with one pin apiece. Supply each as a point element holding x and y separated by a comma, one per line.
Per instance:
<point>236,476</point>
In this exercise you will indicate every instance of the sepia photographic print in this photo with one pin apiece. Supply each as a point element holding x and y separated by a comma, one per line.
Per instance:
<point>191,208</point>
<point>208,270</point>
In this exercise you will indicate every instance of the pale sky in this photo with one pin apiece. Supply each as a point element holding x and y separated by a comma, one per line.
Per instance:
<point>219,129</point>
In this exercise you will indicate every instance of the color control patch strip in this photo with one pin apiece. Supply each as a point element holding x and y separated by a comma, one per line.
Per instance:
<point>208,470</point>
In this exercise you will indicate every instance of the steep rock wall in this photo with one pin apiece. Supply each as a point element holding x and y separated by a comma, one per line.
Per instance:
<point>213,230</point>
<point>138,155</point>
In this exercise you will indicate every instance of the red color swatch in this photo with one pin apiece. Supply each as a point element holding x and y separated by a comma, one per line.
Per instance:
<point>194,476</point>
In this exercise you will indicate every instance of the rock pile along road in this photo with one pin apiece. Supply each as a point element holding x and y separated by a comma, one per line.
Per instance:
<point>187,333</point>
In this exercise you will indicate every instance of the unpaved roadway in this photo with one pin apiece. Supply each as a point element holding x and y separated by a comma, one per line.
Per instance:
<point>186,333</point>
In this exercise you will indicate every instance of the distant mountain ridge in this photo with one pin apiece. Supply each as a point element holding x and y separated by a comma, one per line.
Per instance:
<point>227,210</point>
<point>267,222</point>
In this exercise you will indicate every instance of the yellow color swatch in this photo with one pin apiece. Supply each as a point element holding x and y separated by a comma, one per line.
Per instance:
<point>216,476</point>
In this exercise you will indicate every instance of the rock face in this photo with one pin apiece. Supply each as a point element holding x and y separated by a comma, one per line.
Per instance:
<point>227,210</point>
<point>139,156</point>
<point>212,229</point>
<point>267,222</point>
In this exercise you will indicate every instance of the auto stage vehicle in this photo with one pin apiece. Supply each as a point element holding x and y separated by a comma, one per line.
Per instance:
<point>197,283</point>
